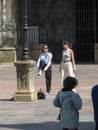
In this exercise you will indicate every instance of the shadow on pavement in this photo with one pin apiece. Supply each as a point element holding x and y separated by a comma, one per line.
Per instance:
<point>33,126</point>
<point>45,126</point>
<point>6,100</point>
<point>86,126</point>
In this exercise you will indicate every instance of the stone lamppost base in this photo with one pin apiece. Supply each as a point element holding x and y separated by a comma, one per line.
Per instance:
<point>25,96</point>
<point>25,81</point>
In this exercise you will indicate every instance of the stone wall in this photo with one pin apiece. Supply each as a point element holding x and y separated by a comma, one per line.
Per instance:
<point>8,31</point>
<point>7,55</point>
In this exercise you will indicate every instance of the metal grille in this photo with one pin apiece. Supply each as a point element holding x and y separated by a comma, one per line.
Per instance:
<point>85,26</point>
<point>53,21</point>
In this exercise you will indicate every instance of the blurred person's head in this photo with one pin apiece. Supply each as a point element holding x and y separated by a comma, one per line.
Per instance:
<point>70,83</point>
<point>45,48</point>
<point>66,44</point>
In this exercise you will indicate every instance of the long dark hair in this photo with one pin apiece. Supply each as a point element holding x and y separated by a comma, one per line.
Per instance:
<point>67,43</point>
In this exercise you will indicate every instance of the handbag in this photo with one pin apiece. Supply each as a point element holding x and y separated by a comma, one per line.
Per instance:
<point>40,94</point>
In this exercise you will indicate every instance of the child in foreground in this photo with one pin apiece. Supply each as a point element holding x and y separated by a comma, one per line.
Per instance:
<point>69,103</point>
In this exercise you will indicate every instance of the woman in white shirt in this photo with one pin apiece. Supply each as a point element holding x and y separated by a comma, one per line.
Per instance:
<point>67,66</point>
<point>44,65</point>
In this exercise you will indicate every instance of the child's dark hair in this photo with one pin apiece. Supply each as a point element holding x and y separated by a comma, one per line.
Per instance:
<point>69,83</point>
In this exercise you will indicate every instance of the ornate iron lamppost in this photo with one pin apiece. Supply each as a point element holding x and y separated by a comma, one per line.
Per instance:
<point>25,68</point>
<point>25,51</point>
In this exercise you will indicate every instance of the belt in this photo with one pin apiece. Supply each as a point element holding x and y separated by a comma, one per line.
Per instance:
<point>66,61</point>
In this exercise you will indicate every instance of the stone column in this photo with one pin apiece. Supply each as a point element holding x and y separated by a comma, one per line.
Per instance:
<point>25,81</point>
<point>8,37</point>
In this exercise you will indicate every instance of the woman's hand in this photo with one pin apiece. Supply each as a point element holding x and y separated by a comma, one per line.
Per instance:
<point>74,68</point>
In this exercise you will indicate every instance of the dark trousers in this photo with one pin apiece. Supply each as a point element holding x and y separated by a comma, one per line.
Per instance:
<point>48,75</point>
<point>69,129</point>
<point>96,126</point>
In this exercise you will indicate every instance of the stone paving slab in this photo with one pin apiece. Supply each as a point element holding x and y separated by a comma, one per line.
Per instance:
<point>41,114</point>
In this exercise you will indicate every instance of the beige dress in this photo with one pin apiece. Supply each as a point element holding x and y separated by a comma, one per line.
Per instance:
<point>66,66</point>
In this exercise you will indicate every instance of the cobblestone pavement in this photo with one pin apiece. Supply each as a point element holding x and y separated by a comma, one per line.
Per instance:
<point>41,114</point>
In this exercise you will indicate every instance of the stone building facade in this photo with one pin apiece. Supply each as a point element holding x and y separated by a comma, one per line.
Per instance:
<point>49,22</point>
<point>7,31</point>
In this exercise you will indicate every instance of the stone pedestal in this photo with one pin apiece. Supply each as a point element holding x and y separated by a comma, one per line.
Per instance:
<point>25,81</point>
<point>7,55</point>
